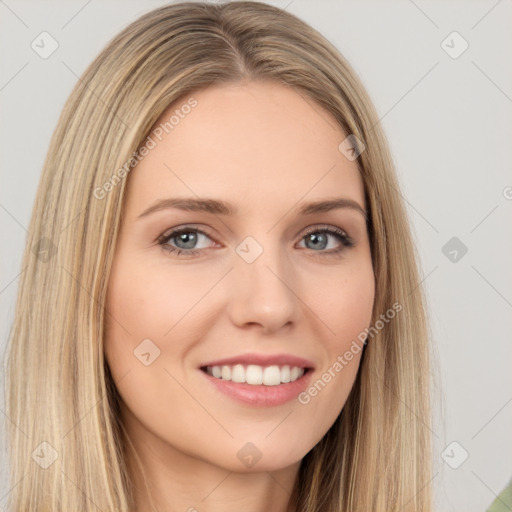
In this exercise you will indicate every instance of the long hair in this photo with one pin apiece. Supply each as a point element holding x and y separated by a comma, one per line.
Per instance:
<point>65,441</point>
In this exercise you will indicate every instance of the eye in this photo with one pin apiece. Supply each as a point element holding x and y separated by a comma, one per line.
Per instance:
<point>184,241</point>
<point>317,239</point>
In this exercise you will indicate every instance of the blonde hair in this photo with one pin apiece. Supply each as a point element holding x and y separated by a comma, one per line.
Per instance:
<point>377,454</point>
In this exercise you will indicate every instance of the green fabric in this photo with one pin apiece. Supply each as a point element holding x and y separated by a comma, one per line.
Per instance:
<point>503,503</point>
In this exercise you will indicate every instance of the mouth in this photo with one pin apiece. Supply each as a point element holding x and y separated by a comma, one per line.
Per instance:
<point>256,375</point>
<point>258,380</point>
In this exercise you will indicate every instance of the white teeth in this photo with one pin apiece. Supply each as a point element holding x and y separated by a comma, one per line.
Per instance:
<point>238,374</point>
<point>294,374</point>
<point>285,374</point>
<point>256,375</point>
<point>271,376</point>
<point>226,372</point>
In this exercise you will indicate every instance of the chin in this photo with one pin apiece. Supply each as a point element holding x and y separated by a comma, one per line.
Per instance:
<point>262,456</point>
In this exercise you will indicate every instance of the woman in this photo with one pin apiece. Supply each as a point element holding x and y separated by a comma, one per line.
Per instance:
<point>221,307</point>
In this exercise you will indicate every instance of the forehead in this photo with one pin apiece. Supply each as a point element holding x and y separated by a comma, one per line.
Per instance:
<point>249,143</point>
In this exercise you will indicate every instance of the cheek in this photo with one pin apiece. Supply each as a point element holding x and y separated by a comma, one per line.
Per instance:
<point>153,317</point>
<point>344,304</point>
<point>346,308</point>
<point>146,323</point>
<point>350,310</point>
<point>138,309</point>
<point>145,302</point>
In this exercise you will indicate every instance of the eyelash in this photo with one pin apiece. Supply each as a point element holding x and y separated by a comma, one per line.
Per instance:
<point>346,241</point>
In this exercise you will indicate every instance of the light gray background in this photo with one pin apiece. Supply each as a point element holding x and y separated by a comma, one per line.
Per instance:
<point>449,123</point>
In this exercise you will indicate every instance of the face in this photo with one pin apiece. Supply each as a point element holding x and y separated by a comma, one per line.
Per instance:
<point>252,285</point>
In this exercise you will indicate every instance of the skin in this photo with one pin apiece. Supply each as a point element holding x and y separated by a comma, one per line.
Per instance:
<point>267,150</point>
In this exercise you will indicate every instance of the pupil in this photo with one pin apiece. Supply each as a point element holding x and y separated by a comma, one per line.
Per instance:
<point>189,238</point>
<point>317,239</point>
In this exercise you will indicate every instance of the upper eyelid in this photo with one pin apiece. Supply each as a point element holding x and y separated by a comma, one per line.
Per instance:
<point>169,233</point>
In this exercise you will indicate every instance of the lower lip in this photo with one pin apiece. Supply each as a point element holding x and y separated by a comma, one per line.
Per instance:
<point>261,396</point>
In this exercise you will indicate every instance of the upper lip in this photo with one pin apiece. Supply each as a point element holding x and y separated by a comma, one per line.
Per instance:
<point>263,360</point>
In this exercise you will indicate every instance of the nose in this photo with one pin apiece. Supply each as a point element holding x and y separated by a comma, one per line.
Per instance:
<point>264,292</point>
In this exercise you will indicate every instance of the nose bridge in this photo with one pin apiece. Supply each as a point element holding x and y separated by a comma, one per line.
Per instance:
<point>262,284</point>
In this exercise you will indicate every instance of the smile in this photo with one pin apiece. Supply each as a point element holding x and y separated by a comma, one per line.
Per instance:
<point>256,375</point>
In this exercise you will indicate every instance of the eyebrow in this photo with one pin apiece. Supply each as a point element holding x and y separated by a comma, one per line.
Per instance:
<point>218,207</point>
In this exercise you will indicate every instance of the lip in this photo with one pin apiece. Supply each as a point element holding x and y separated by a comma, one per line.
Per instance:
<point>260,396</point>
<point>263,360</point>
